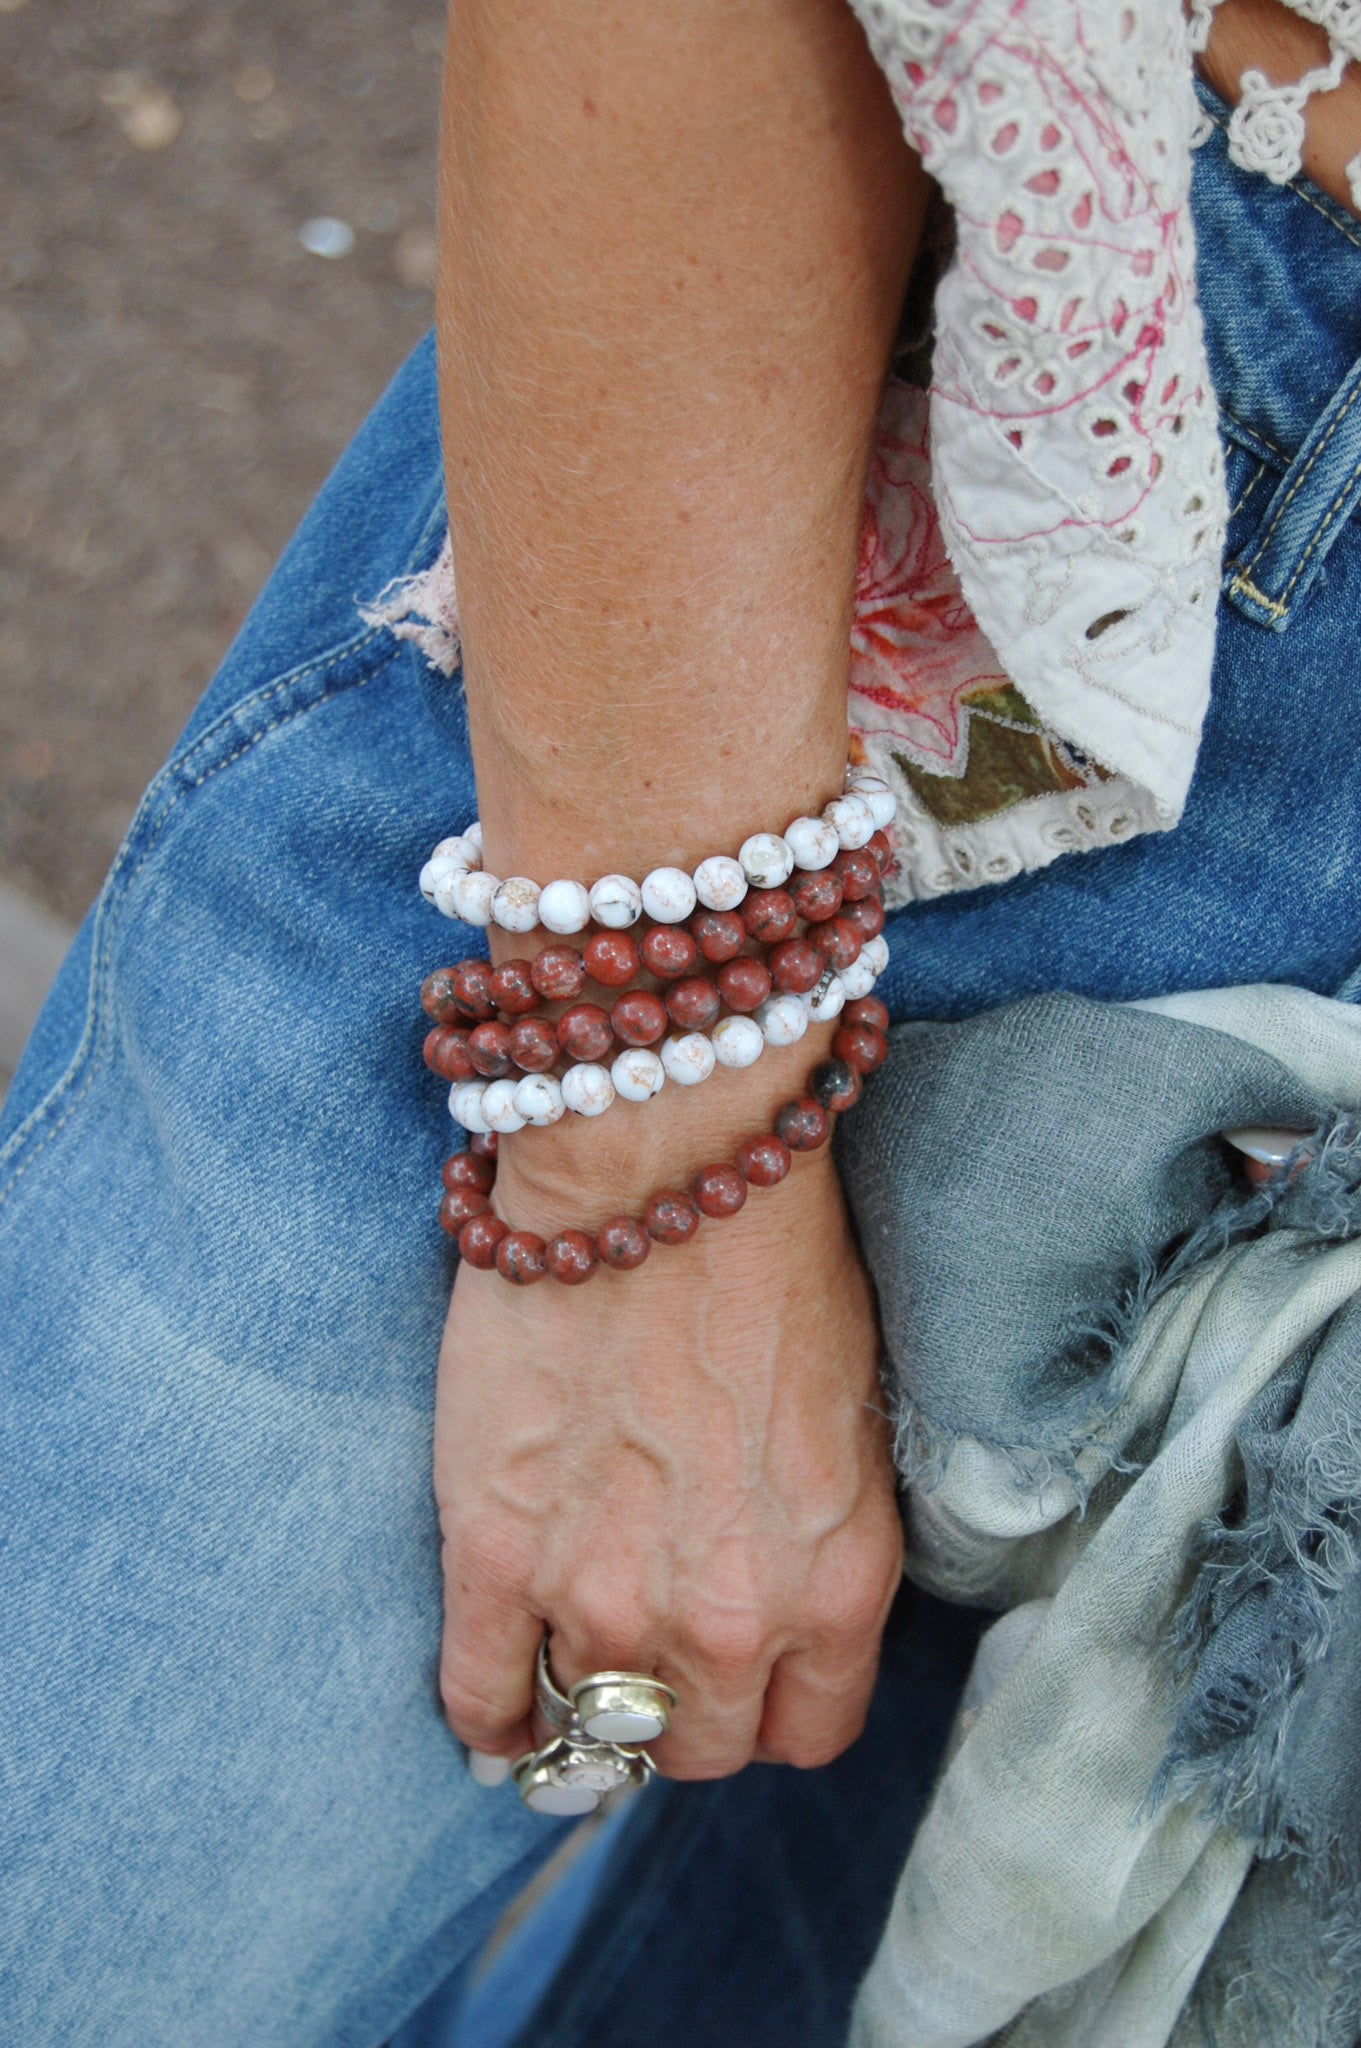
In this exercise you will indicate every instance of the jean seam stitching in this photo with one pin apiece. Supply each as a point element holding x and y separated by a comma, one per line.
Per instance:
<point>91,1046</point>
<point>1329,520</point>
<point>1248,489</point>
<point>1278,515</point>
<point>1256,432</point>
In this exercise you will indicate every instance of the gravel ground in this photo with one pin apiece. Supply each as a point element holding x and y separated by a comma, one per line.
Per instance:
<point>179,372</point>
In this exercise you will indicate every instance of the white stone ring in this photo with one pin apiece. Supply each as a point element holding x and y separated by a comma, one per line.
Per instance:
<point>624,1707</point>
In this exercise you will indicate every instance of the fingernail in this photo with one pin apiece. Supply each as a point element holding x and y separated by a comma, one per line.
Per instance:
<point>1267,1147</point>
<point>487,1770</point>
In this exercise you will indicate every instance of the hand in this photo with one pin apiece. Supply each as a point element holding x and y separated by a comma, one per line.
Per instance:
<point>683,1470</point>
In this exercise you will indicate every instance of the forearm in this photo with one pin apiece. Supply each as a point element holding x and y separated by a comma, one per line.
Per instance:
<point>673,246</point>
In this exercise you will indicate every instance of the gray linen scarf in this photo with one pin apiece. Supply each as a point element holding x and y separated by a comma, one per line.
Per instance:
<point>1128,1402</point>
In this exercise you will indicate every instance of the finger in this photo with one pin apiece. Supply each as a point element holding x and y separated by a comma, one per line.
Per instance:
<point>816,1703</point>
<point>720,1695</point>
<point>486,1659</point>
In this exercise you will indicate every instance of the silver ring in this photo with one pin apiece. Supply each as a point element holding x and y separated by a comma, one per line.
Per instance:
<point>607,1706</point>
<point>567,1778</point>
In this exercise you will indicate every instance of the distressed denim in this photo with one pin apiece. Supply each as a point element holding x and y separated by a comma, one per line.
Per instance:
<point>231,1811</point>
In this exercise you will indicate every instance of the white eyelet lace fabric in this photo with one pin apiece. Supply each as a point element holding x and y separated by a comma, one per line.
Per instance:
<point>1266,128</point>
<point>1076,467</point>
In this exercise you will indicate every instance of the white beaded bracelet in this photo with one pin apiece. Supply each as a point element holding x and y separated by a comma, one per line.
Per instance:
<point>453,879</point>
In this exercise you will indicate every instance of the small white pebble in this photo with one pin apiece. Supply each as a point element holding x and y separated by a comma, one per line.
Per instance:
<point>637,1074</point>
<point>467,852</point>
<point>738,1041</point>
<point>720,882</point>
<point>689,1059</point>
<point>877,794</point>
<point>472,895</point>
<point>783,1020</point>
<point>852,820</point>
<point>498,1107</point>
<point>616,902</point>
<point>587,1089</point>
<point>859,978</point>
<point>515,906</point>
<point>474,832</point>
<point>538,1099</point>
<point>812,842</point>
<point>827,1000</point>
<point>668,895</point>
<point>875,954</point>
<point>465,1106</point>
<point>564,907</point>
<point>327,236</point>
<point>766,860</point>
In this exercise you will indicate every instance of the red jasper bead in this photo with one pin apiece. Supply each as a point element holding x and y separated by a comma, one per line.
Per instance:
<point>768,915</point>
<point>838,941</point>
<point>803,1125</point>
<point>512,988</point>
<point>466,1170</point>
<point>867,916</point>
<point>622,1243</point>
<point>478,1239</point>
<point>572,1257</point>
<point>438,999</point>
<point>559,973</point>
<point>718,1190</point>
<point>859,872</point>
<point>522,1256</point>
<point>472,989</point>
<point>669,951</point>
<point>612,959</point>
<point>693,1005</point>
<point>671,1218</point>
<point>584,1032</point>
<point>763,1161</point>
<point>489,1050</point>
<point>866,1010</point>
<point>445,1052</point>
<point>860,1045</point>
<point>534,1045</point>
<point>484,1144</point>
<point>796,966</point>
<point>719,934</point>
<point>835,1084</point>
<point>458,1206</point>
<point>882,851</point>
<point>817,896</point>
<point>639,1018</point>
<point>744,984</point>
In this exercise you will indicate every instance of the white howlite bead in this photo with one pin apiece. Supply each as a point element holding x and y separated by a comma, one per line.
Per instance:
<point>783,1020</point>
<point>766,860</point>
<point>538,1099</point>
<point>498,1107</point>
<point>637,1074</point>
<point>436,871</point>
<point>564,907</point>
<point>875,953</point>
<point>472,896</point>
<point>474,832</point>
<point>515,906</point>
<point>827,1000</point>
<point>738,1041</point>
<point>852,820</point>
<point>812,842</point>
<point>445,898</point>
<point>668,895</point>
<point>466,852</point>
<point>587,1089</point>
<point>720,882</point>
<point>616,902</point>
<point>465,1105</point>
<point>688,1060</point>
<point>878,796</point>
<point>859,978</point>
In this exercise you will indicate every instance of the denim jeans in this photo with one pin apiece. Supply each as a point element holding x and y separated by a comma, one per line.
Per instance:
<point>231,1811</point>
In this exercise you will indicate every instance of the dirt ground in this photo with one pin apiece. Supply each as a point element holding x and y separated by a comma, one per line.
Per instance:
<point>178,370</point>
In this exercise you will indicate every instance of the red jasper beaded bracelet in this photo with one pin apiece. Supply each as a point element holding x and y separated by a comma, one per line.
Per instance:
<point>673,1215</point>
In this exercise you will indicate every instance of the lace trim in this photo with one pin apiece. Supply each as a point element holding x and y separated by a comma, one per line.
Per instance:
<point>1266,128</point>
